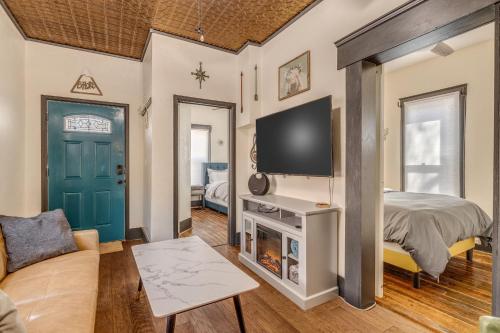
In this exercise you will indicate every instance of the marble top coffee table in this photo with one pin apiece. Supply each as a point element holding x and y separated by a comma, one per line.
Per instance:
<point>186,273</point>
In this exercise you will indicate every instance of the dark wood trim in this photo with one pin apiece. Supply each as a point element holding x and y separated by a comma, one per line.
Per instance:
<point>44,149</point>
<point>462,89</point>
<point>403,31</point>
<point>134,233</point>
<point>496,177</point>
<point>231,230</point>
<point>185,225</point>
<point>363,183</point>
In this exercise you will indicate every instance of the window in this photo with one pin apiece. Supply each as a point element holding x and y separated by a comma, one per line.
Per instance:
<point>432,142</point>
<point>200,152</point>
<point>87,123</point>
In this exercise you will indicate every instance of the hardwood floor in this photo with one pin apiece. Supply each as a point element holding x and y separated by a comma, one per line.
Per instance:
<point>455,304</point>
<point>265,309</point>
<point>209,225</point>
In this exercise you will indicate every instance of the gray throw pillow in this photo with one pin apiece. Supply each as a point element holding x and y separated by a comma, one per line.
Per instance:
<point>31,240</point>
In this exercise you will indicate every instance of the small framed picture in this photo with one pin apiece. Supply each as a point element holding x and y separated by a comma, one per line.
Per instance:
<point>294,77</point>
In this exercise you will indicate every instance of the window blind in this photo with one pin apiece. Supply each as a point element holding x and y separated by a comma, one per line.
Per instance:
<point>200,153</point>
<point>432,145</point>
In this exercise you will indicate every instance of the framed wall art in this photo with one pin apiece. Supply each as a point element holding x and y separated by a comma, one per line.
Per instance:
<point>294,77</point>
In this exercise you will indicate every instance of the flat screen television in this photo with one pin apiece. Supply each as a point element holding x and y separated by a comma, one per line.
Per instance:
<point>297,141</point>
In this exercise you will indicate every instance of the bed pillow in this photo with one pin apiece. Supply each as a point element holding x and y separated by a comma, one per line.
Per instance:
<point>217,175</point>
<point>31,240</point>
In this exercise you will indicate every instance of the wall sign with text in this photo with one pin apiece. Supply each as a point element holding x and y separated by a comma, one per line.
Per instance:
<point>86,85</point>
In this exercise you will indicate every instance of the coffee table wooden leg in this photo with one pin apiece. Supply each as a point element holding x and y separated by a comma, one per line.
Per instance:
<point>171,324</point>
<point>239,313</point>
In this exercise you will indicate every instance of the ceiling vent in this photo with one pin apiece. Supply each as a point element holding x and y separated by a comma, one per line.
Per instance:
<point>442,49</point>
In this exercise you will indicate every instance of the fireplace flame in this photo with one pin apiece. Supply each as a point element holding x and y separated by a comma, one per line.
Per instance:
<point>272,261</point>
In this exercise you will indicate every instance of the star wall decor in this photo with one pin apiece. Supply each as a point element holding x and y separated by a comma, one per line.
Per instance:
<point>199,74</point>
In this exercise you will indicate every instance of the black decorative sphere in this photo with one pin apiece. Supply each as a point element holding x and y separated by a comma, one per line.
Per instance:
<point>258,184</point>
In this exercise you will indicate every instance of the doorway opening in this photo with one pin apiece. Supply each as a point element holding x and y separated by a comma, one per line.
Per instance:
<point>437,146</point>
<point>204,195</point>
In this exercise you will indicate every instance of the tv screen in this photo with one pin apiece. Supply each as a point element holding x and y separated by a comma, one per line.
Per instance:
<point>297,141</point>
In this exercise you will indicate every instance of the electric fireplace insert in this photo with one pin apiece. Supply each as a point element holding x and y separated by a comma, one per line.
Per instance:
<point>269,249</point>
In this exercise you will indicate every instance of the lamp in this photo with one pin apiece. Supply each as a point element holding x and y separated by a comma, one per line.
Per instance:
<point>199,30</point>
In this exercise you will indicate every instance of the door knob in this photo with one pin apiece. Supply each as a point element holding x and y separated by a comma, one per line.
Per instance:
<point>121,181</point>
<point>120,169</point>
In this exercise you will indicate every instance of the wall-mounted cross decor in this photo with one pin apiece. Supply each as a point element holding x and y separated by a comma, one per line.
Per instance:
<point>199,74</point>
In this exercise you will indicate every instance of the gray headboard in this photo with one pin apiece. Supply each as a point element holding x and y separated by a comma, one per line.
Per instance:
<point>213,166</point>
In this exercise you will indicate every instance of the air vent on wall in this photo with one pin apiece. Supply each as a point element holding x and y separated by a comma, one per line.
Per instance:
<point>442,49</point>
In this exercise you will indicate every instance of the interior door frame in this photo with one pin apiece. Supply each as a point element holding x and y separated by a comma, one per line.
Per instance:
<point>398,33</point>
<point>231,230</point>
<point>129,233</point>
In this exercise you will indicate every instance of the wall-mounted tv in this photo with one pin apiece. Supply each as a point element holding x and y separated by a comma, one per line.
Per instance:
<point>297,141</point>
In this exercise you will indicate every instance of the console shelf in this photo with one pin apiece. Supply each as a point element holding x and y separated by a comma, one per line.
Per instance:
<point>292,244</point>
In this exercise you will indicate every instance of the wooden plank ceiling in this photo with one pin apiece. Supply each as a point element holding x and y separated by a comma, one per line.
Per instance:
<point>121,27</point>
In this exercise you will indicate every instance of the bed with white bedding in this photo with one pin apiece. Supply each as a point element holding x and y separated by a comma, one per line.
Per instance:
<point>423,231</point>
<point>216,186</point>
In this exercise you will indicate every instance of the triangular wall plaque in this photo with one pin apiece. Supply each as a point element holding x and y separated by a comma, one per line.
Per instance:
<point>86,85</point>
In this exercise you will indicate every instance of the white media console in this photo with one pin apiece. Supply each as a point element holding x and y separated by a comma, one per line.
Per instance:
<point>292,244</point>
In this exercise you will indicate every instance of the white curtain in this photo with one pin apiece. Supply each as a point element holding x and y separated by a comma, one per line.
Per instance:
<point>432,145</point>
<point>200,153</point>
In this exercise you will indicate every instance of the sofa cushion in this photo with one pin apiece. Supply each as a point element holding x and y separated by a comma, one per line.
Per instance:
<point>58,294</point>
<point>9,318</point>
<point>3,257</point>
<point>31,240</point>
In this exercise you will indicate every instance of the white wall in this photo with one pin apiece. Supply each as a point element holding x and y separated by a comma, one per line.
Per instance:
<point>173,61</point>
<point>52,70</point>
<point>219,122</point>
<point>462,67</point>
<point>316,31</point>
<point>12,118</point>
<point>147,82</point>
<point>184,161</point>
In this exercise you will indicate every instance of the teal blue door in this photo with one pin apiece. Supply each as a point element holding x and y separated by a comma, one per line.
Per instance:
<point>86,166</point>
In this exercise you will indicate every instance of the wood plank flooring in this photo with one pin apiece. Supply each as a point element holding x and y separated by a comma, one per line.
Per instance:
<point>265,309</point>
<point>455,304</point>
<point>209,225</point>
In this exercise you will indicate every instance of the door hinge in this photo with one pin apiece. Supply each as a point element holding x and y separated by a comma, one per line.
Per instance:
<point>47,171</point>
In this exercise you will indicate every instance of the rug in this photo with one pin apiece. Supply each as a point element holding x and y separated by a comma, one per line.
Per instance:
<point>110,247</point>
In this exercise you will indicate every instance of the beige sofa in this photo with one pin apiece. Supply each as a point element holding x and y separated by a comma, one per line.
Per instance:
<point>58,294</point>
